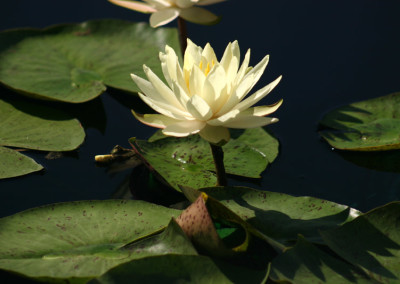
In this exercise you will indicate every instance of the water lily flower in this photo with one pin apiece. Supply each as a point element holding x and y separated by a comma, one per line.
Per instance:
<point>206,96</point>
<point>165,11</point>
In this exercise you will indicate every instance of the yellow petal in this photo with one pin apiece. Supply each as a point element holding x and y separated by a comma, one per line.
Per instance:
<point>215,134</point>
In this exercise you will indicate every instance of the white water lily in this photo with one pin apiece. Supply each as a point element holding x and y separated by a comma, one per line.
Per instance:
<point>206,96</point>
<point>165,11</point>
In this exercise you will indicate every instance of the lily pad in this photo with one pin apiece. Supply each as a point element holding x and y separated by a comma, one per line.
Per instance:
<point>188,161</point>
<point>82,240</point>
<point>371,125</point>
<point>26,124</point>
<point>75,62</point>
<point>372,242</point>
<point>13,163</point>
<point>182,269</point>
<point>280,216</point>
<point>305,263</point>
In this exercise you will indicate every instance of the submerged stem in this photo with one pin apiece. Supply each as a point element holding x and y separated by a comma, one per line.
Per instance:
<point>182,34</point>
<point>218,155</point>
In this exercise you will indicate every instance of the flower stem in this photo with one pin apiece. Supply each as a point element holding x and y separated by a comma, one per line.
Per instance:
<point>218,155</point>
<point>182,34</point>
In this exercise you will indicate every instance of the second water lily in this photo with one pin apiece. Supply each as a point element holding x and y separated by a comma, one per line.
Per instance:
<point>206,96</point>
<point>165,11</point>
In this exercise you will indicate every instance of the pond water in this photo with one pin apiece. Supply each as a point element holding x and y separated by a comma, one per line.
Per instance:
<point>330,53</point>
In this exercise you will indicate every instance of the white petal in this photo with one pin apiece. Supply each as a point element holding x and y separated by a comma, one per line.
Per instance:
<point>209,2</point>
<point>208,56</point>
<point>227,56</point>
<point>166,93</point>
<point>199,108</point>
<point>147,88</point>
<point>181,94</point>
<point>198,15</point>
<point>258,70</point>
<point>159,4</point>
<point>263,110</point>
<point>257,96</point>
<point>249,121</point>
<point>192,57</point>
<point>184,128</point>
<point>155,120</point>
<point>169,64</point>
<point>185,3</point>
<point>237,94</point>
<point>135,5</point>
<point>172,70</point>
<point>165,108</point>
<point>224,118</point>
<point>196,81</point>
<point>243,68</point>
<point>163,17</point>
<point>214,90</point>
<point>215,134</point>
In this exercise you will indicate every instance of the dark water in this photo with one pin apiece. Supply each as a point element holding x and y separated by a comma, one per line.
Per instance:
<point>329,52</point>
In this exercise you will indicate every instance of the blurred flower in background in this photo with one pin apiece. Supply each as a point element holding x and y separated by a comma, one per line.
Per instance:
<point>206,96</point>
<point>165,11</point>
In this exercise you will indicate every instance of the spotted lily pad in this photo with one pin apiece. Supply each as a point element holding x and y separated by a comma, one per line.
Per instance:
<point>188,161</point>
<point>81,240</point>
<point>26,124</point>
<point>75,62</point>
<point>371,125</point>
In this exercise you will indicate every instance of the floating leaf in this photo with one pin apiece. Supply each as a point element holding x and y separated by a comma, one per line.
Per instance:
<point>182,269</point>
<point>81,240</point>
<point>13,163</point>
<point>372,242</point>
<point>305,263</point>
<point>188,161</point>
<point>75,62</point>
<point>371,125</point>
<point>281,216</point>
<point>33,126</point>
<point>29,125</point>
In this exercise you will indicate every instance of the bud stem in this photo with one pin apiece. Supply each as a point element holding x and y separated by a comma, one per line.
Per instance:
<point>218,155</point>
<point>182,34</point>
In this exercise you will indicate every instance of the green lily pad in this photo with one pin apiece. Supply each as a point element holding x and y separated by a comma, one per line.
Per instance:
<point>305,263</point>
<point>188,161</point>
<point>13,163</point>
<point>280,216</point>
<point>372,242</point>
<point>182,269</point>
<point>75,62</point>
<point>371,125</point>
<point>29,125</point>
<point>81,240</point>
